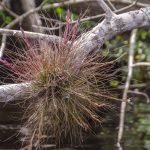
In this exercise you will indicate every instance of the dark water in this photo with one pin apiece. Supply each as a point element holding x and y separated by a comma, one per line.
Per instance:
<point>136,135</point>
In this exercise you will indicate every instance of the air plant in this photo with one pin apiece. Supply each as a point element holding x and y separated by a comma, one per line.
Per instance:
<point>66,101</point>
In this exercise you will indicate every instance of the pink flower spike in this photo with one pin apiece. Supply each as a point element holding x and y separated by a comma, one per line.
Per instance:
<point>78,20</point>
<point>25,38</point>
<point>4,61</point>
<point>68,17</point>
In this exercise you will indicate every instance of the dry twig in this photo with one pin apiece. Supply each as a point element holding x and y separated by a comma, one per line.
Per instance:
<point>141,64</point>
<point>107,10</point>
<point>140,93</point>
<point>33,35</point>
<point>127,85</point>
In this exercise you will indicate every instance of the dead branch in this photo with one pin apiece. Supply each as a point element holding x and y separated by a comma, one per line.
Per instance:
<point>41,7</point>
<point>141,64</point>
<point>34,35</point>
<point>8,10</point>
<point>112,6</point>
<point>140,93</point>
<point>128,2</point>
<point>4,37</point>
<point>127,85</point>
<point>13,92</point>
<point>3,45</point>
<point>107,10</point>
<point>95,38</point>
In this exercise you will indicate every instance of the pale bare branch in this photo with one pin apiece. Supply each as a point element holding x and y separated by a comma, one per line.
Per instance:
<point>132,86</point>
<point>105,31</point>
<point>128,2</point>
<point>41,7</point>
<point>103,15</point>
<point>33,35</point>
<point>4,36</point>
<point>141,64</point>
<point>107,10</point>
<point>140,93</point>
<point>8,10</point>
<point>3,45</point>
<point>13,92</point>
<point>127,85</point>
<point>47,28</point>
<point>112,6</point>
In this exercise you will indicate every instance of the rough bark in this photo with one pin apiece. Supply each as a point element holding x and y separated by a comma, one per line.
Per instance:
<point>34,35</point>
<point>94,39</point>
<point>13,92</point>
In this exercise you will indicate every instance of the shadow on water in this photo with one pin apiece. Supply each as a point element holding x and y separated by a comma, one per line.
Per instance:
<point>136,136</point>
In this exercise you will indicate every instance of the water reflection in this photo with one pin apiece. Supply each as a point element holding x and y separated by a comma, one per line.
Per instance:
<point>136,135</point>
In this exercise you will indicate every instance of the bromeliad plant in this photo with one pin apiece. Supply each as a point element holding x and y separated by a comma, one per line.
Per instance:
<point>66,99</point>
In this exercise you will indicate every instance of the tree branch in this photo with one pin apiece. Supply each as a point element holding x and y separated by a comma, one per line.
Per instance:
<point>107,10</point>
<point>112,6</point>
<point>13,92</point>
<point>34,35</point>
<point>3,45</point>
<point>9,11</point>
<point>95,38</point>
<point>127,85</point>
<point>140,93</point>
<point>4,37</point>
<point>128,2</point>
<point>102,15</point>
<point>141,64</point>
<point>41,7</point>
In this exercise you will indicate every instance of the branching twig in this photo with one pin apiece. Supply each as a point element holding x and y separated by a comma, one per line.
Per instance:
<point>141,85</point>
<point>103,15</point>
<point>107,10</point>
<point>105,31</point>
<point>47,28</point>
<point>128,80</point>
<point>140,93</point>
<point>141,64</point>
<point>33,35</point>
<point>41,7</point>
<point>94,17</point>
<point>9,11</point>
<point>128,2</point>
<point>4,37</point>
<point>112,6</point>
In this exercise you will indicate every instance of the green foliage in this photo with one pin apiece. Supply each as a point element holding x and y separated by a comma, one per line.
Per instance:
<point>4,18</point>
<point>58,10</point>
<point>114,83</point>
<point>120,44</point>
<point>86,25</point>
<point>61,13</point>
<point>137,135</point>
